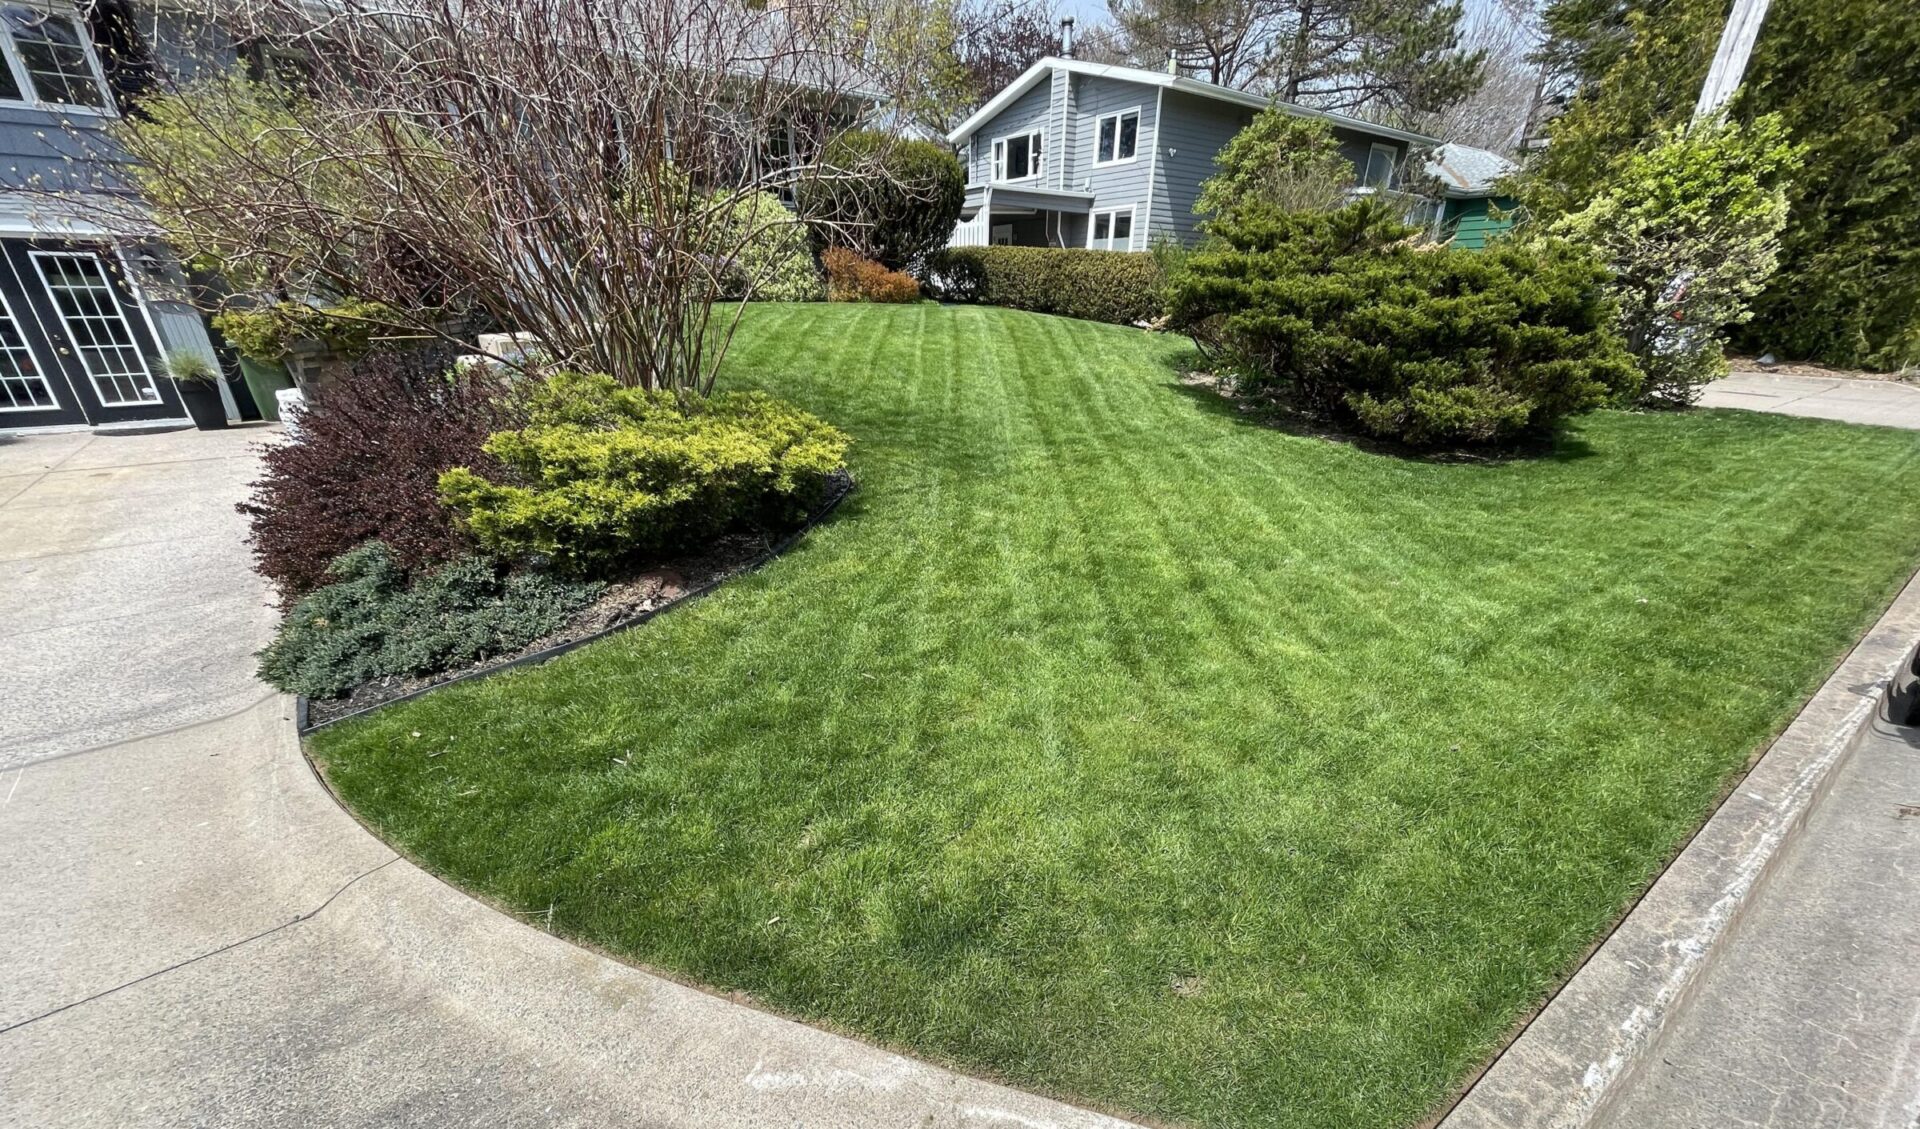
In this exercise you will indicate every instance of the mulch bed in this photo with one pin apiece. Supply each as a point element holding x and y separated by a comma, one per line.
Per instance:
<point>625,603</point>
<point>1736,363</point>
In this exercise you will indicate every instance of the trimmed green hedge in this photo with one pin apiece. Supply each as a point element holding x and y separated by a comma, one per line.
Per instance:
<point>1121,287</point>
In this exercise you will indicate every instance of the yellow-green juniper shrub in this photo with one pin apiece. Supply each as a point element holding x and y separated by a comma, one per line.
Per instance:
<point>604,476</point>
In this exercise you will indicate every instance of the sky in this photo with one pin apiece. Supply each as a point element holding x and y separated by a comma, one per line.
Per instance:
<point>1086,13</point>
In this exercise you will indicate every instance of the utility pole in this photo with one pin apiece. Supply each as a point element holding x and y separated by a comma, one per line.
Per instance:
<point>1730,60</point>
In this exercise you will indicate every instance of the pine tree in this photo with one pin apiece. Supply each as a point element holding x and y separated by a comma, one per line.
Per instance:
<point>1843,75</point>
<point>1390,57</point>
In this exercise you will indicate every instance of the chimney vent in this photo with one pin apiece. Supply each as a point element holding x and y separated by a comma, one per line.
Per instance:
<point>1066,37</point>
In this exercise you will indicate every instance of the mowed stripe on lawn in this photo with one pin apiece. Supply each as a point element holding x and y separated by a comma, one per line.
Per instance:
<point>1115,745</point>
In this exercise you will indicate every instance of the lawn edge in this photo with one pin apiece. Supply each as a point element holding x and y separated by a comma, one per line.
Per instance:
<point>1567,1063</point>
<point>712,1057</point>
<point>304,725</point>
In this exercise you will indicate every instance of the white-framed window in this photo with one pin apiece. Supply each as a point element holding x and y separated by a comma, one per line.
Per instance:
<point>1019,157</point>
<point>1116,137</point>
<point>1381,160</point>
<point>90,311</point>
<point>1111,229</point>
<point>50,61</point>
<point>23,388</point>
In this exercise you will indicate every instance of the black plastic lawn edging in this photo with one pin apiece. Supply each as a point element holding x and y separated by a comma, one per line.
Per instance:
<point>303,724</point>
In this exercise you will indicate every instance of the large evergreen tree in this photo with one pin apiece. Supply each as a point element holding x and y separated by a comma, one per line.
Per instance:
<point>1389,57</point>
<point>1844,76</point>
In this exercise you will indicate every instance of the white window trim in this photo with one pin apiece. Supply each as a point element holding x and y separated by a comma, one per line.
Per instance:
<point>146,370</point>
<point>996,157</point>
<point>26,346</point>
<point>1393,161</point>
<point>24,81</point>
<point>1139,127</point>
<point>1133,220</point>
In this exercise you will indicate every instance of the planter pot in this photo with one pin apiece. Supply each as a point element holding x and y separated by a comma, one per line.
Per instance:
<point>264,380</point>
<point>202,400</point>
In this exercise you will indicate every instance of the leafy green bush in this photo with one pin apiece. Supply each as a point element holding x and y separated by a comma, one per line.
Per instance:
<point>268,333</point>
<point>851,278</point>
<point>772,256</point>
<point>603,476</point>
<point>893,201</point>
<point>1690,229</point>
<point>1113,286</point>
<point>372,622</point>
<point>1346,315</point>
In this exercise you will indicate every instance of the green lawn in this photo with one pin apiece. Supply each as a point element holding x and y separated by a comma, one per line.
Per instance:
<point>1114,746</point>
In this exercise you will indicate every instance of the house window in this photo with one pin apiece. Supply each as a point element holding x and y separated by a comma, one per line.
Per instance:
<point>1111,230</point>
<point>777,160</point>
<point>1017,157</point>
<point>1118,138</point>
<point>49,59</point>
<point>1380,162</point>
<point>22,387</point>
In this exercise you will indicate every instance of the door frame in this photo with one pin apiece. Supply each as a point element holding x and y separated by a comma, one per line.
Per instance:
<point>26,273</point>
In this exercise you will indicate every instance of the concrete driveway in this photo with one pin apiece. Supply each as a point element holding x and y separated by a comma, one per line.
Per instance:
<point>197,935</point>
<point>1886,403</point>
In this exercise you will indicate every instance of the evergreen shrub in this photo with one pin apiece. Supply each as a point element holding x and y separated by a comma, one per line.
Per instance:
<point>603,477</point>
<point>1345,314</point>
<point>375,620</point>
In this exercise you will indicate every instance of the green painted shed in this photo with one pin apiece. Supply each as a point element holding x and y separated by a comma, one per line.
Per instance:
<point>1471,220</point>
<point>1472,209</point>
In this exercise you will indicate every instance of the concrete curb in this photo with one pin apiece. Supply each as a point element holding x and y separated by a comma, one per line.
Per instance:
<point>667,1053</point>
<point>1573,1060</point>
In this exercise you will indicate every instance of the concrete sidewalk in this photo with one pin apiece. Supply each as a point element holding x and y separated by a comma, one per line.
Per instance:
<point>196,934</point>
<point>1809,1015</point>
<point>1885,403</point>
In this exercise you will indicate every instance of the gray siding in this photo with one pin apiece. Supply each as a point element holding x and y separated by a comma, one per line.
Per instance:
<point>1029,111</point>
<point>1060,114</point>
<point>1197,129</point>
<point>1121,184</point>
<point>54,150</point>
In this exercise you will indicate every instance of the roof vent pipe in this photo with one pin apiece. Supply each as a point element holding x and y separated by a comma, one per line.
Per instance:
<point>1173,61</point>
<point>1066,37</point>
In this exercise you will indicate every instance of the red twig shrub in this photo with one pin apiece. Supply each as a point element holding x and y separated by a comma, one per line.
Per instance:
<point>367,466</point>
<point>851,278</point>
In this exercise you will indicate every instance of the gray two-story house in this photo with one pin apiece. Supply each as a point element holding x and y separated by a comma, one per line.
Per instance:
<point>1078,154</point>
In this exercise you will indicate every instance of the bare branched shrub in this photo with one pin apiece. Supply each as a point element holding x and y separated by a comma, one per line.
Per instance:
<point>584,170</point>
